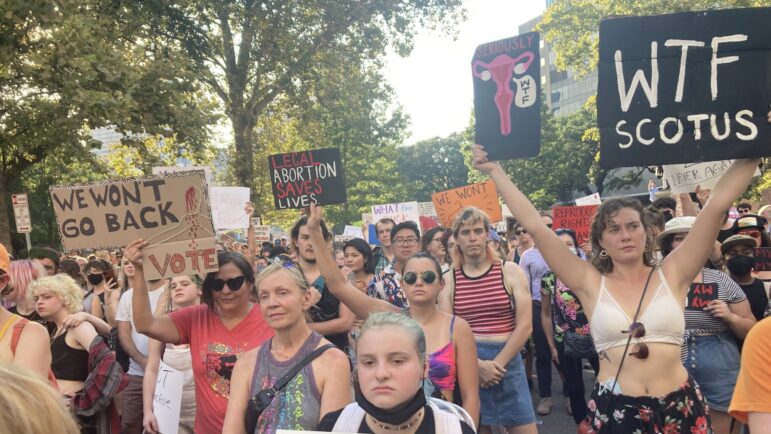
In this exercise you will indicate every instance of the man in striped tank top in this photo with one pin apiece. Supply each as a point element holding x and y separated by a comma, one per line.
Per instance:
<point>493,297</point>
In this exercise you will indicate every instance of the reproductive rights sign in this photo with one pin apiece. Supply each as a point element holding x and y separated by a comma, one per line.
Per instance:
<point>507,89</point>
<point>305,178</point>
<point>684,88</point>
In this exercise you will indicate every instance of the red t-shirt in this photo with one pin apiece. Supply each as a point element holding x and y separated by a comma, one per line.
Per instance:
<point>214,350</point>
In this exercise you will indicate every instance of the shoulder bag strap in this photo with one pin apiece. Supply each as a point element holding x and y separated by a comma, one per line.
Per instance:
<point>283,381</point>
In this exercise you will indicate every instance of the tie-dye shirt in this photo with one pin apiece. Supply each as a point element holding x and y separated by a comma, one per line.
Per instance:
<point>298,405</point>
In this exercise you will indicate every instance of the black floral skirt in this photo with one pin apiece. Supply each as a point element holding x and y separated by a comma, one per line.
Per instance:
<point>681,411</point>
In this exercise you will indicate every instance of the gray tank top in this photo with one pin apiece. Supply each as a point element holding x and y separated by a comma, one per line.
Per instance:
<point>298,405</point>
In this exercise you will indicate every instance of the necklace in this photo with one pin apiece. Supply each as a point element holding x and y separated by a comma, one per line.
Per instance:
<point>407,425</point>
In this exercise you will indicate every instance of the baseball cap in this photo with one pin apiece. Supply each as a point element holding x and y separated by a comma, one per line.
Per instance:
<point>734,240</point>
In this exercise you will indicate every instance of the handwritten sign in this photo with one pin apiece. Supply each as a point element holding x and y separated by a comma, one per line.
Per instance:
<point>228,206</point>
<point>592,199</point>
<point>578,218</point>
<point>167,399</point>
<point>762,259</point>
<point>701,295</point>
<point>427,209</point>
<point>262,234</point>
<point>683,178</point>
<point>507,103</point>
<point>483,196</point>
<point>685,87</point>
<point>350,232</point>
<point>399,212</point>
<point>305,178</point>
<point>166,170</point>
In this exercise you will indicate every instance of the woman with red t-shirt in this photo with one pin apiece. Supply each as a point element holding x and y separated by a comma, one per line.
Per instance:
<point>225,326</point>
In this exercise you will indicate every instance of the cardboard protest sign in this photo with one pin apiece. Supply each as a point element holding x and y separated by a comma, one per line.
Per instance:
<point>171,213</point>
<point>399,212</point>
<point>482,195</point>
<point>701,295</point>
<point>683,88</point>
<point>507,96</point>
<point>578,218</point>
<point>762,259</point>
<point>167,170</point>
<point>683,178</point>
<point>228,206</point>
<point>262,234</point>
<point>167,400</point>
<point>305,178</point>
<point>592,199</point>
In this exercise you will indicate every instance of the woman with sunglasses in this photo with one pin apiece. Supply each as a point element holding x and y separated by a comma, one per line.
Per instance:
<point>712,326</point>
<point>453,355</point>
<point>635,308</point>
<point>218,331</point>
<point>320,387</point>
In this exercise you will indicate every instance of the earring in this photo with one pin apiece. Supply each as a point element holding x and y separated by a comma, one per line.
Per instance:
<point>603,254</point>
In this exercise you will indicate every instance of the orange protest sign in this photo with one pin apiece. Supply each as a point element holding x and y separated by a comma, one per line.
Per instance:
<point>482,195</point>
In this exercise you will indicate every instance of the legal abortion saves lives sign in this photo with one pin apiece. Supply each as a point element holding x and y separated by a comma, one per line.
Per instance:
<point>684,88</point>
<point>301,179</point>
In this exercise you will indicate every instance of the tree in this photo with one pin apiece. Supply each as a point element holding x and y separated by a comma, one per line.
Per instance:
<point>249,53</point>
<point>433,165</point>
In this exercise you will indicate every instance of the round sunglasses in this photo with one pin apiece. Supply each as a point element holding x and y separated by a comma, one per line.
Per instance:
<point>411,277</point>
<point>637,330</point>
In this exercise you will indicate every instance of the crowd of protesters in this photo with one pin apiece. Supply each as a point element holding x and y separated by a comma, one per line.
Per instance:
<point>451,330</point>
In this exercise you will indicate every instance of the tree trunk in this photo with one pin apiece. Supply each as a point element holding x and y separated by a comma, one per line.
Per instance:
<point>243,127</point>
<point>5,219</point>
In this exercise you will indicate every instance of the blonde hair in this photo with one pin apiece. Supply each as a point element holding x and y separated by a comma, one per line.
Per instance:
<point>469,216</point>
<point>30,405</point>
<point>392,319</point>
<point>61,286</point>
<point>293,270</point>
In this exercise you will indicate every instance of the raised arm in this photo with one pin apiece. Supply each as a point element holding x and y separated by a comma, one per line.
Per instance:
<point>359,303</point>
<point>682,265</point>
<point>161,328</point>
<point>575,273</point>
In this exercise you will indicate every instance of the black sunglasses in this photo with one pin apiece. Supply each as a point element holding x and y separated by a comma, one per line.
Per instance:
<point>637,330</point>
<point>234,284</point>
<point>411,277</point>
<point>520,232</point>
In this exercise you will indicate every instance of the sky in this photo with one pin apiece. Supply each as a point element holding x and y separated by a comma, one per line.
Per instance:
<point>433,84</point>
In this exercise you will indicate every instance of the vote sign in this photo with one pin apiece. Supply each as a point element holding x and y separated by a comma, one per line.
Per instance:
<point>684,88</point>
<point>305,178</point>
<point>507,97</point>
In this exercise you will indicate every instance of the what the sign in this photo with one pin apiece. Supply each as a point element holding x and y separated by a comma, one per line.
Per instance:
<point>302,179</point>
<point>683,88</point>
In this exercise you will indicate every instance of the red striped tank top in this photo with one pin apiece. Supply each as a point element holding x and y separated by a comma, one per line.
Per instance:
<point>483,302</point>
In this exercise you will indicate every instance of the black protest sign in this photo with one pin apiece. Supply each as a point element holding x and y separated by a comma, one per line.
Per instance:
<point>701,295</point>
<point>305,178</point>
<point>684,88</point>
<point>507,97</point>
<point>762,259</point>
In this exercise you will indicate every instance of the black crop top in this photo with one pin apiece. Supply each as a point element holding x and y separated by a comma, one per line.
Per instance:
<point>67,363</point>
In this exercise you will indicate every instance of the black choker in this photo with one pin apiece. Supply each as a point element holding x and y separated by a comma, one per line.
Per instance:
<point>407,425</point>
<point>396,416</point>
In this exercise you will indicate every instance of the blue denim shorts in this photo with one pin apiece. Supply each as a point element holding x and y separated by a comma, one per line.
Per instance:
<point>508,403</point>
<point>713,361</point>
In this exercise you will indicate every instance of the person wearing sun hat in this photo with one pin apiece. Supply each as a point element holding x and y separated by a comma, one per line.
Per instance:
<point>738,251</point>
<point>709,351</point>
<point>22,343</point>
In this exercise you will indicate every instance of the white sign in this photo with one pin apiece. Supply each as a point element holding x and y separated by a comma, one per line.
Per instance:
<point>592,199</point>
<point>683,178</point>
<point>351,232</point>
<point>427,209</point>
<point>167,399</point>
<point>228,205</point>
<point>262,234</point>
<point>21,213</point>
<point>174,169</point>
<point>399,212</point>
<point>506,212</point>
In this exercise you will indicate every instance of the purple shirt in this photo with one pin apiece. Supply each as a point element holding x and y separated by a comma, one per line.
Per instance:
<point>535,267</point>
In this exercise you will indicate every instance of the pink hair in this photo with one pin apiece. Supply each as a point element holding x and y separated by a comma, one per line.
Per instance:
<point>23,272</point>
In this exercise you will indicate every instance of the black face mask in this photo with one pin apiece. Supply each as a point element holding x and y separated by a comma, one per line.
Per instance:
<point>396,416</point>
<point>95,279</point>
<point>740,265</point>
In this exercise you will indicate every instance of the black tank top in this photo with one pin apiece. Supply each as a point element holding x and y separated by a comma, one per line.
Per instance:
<point>756,295</point>
<point>68,363</point>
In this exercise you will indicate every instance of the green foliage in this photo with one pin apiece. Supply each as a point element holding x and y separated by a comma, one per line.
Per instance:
<point>433,165</point>
<point>572,27</point>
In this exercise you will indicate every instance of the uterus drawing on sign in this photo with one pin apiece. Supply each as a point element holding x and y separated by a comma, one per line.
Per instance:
<point>502,70</point>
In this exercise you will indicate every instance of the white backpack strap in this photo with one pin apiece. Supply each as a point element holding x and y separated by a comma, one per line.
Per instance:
<point>446,422</point>
<point>350,419</point>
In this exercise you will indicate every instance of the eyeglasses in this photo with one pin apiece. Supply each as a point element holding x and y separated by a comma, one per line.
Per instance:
<point>234,284</point>
<point>637,330</point>
<point>753,233</point>
<point>405,241</point>
<point>411,277</point>
<point>520,232</point>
